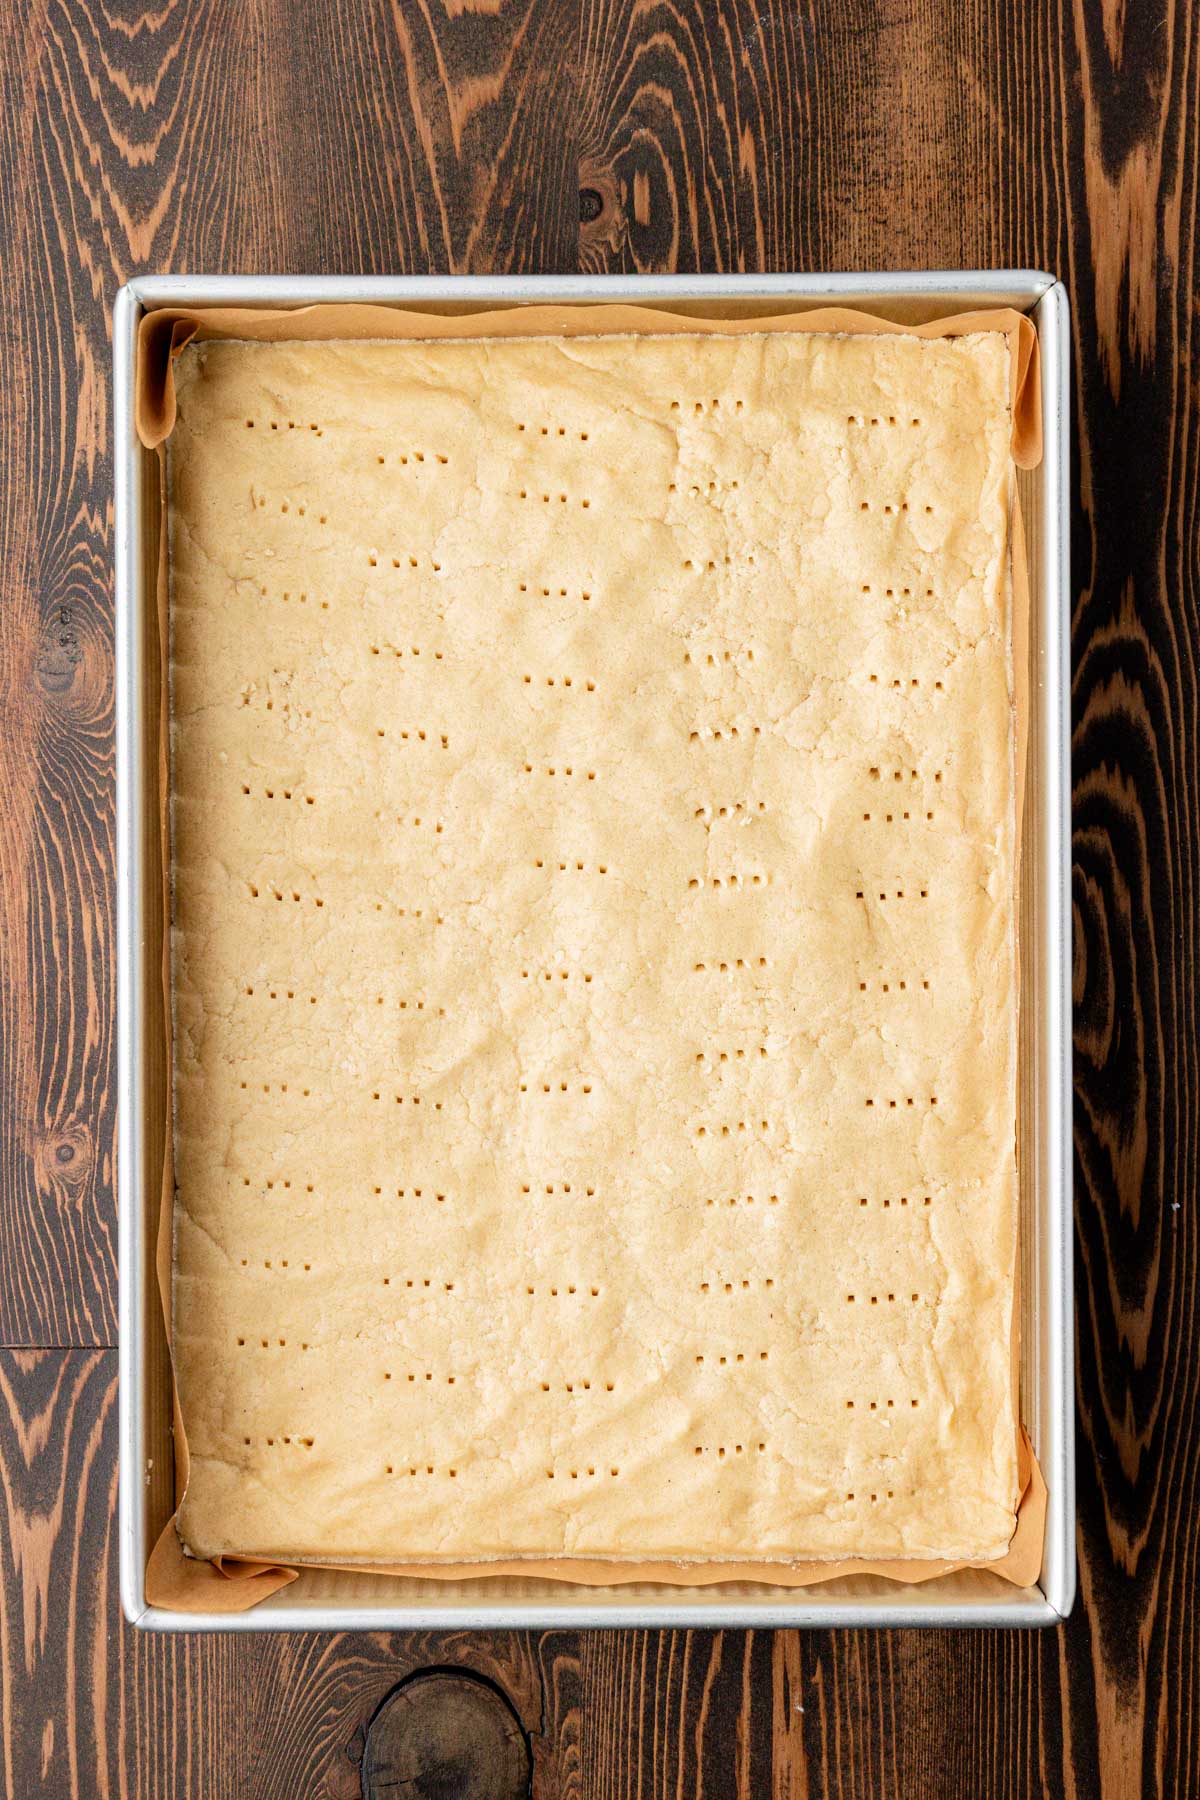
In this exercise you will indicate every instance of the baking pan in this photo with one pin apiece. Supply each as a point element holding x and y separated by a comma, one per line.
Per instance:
<point>327,1599</point>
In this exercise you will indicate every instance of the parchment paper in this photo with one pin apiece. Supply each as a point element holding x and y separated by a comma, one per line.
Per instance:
<point>233,1584</point>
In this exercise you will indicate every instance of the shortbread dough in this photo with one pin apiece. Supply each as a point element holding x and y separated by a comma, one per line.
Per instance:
<point>593,947</point>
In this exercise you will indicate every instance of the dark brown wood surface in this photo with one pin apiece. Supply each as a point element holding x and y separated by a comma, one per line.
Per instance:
<point>473,135</point>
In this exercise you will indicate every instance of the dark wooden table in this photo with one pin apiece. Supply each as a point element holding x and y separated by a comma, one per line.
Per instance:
<point>404,135</point>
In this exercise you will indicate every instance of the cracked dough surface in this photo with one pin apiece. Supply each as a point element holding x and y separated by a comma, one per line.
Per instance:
<point>593,947</point>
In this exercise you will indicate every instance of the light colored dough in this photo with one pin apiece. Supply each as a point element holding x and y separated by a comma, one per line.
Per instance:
<point>593,939</point>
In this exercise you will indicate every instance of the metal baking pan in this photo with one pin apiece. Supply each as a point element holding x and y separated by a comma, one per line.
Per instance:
<point>322,1599</point>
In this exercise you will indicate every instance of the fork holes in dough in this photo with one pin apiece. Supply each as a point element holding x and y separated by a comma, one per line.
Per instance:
<point>902,1200</point>
<point>731,966</point>
<point>720,1451</point>
<point>875,1299</point>
<point>904,684</point>
<point>731,880</point>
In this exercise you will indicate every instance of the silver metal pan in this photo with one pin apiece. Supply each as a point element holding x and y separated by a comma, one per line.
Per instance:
<point>327,1600</point>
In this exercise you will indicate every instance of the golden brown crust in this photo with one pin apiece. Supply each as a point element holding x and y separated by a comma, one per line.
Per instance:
<point>610,968</point>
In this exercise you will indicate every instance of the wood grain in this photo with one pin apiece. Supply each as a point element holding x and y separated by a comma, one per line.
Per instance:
<point>446,1732</point>
<point>393,135</point>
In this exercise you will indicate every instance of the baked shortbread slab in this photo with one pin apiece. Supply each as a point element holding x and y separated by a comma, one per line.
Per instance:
<point>594,958</point>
